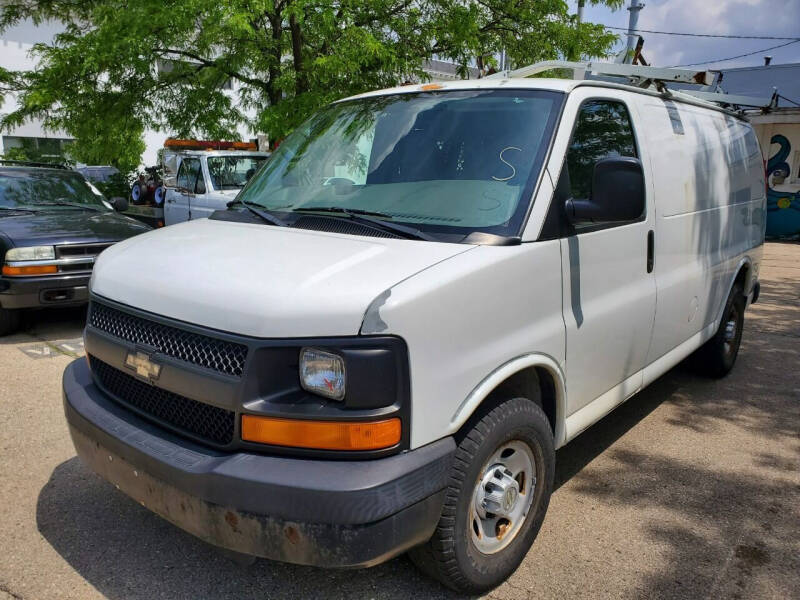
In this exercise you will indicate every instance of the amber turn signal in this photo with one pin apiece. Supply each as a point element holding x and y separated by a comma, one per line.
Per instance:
<point>322,435</point>
<point>31,270</point>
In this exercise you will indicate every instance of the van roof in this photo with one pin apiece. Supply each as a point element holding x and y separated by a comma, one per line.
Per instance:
<point>541,83</point>
<point>219,152</point>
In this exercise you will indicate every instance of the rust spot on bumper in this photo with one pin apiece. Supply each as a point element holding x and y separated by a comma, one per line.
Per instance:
<point>292,535</point>
<point>232,520</point>
<point>318,544</point>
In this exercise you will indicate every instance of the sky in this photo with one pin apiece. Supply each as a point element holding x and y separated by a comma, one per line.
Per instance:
<point>728,17</point>
<point>779,18</point>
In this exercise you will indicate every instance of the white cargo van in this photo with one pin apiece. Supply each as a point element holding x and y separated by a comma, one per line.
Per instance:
<point>423,294</point>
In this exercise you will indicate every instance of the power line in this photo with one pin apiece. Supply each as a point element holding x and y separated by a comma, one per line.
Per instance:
<point>708,62</point>
<point>706,35</point>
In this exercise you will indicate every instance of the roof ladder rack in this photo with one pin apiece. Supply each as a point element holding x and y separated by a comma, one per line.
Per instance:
<point>644,77</point>
<point>633,72</point>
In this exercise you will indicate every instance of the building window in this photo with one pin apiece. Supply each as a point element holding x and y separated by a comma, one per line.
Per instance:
<point>35,148</point>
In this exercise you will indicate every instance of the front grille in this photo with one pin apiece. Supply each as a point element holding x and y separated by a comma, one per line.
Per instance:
<point>88,252</point>
<point>207,422</point>
<point>211,353</point>
<point>75,268</point>
<point>80,250</point>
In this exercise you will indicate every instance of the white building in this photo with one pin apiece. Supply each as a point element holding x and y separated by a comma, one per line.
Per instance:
<point>15,56</point>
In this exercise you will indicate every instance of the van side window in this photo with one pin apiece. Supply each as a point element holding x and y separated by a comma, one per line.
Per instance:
<point>188,174</point>
<point>603,129</point>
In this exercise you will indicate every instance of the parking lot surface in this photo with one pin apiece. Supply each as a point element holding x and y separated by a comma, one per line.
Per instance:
<point>689,490</point>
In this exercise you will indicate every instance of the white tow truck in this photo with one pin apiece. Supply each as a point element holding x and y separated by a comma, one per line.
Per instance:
<point>200,176</point>
<point>208,175</point>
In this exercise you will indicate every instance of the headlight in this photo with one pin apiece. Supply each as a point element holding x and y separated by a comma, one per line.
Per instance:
<point>31,253</point>
<point>322,373</point>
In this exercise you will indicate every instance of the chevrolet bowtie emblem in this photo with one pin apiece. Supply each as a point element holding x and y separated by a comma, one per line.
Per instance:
<point>144,367</point>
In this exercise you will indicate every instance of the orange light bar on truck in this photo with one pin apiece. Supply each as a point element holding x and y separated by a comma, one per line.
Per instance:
<point>322,435</point>
<point>29,271</point>
<point>208,145</point>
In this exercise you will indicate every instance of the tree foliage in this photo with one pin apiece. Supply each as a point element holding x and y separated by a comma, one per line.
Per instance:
<point>122,67</point>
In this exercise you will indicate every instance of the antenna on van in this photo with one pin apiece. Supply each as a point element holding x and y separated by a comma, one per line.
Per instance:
<point>643,76</point>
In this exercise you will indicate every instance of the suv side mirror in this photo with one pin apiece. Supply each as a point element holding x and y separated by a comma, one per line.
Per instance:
<point>617,193</point>
<point>119,203</point>
<point>200,186</point>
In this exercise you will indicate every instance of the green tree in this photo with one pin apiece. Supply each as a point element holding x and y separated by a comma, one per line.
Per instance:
<point>8,82</point>
<point>121,67</point>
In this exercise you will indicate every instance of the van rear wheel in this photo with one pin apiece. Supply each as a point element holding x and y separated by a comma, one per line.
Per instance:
<point>496,499</point>
<point>717,356</point>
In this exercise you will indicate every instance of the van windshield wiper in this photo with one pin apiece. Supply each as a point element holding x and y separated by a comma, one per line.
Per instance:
<point>259,213</point>
<point>378,219</point>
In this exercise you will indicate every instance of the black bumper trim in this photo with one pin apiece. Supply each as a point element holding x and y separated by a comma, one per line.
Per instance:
<point>317,544</point>
<point>31,292</point>
<point>307,490</point>
<point>756,292</point>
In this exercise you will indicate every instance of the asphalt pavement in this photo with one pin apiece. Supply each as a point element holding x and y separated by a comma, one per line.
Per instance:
<point>689,490</point>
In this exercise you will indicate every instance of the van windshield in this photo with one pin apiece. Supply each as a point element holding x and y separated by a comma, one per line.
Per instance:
<point>452,162</point>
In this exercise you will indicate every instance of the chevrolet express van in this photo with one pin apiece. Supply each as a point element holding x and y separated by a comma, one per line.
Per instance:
<point>423,294</point>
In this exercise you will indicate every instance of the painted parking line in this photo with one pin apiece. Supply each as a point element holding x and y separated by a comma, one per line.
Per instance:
<point>72,347</point>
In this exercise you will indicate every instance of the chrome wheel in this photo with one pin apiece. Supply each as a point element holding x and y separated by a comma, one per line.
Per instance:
<point>503,496</point>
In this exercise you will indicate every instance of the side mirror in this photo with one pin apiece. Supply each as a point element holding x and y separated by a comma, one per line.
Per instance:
<point>200,187</point>
<point>119,203</point>
<point>617,193</point>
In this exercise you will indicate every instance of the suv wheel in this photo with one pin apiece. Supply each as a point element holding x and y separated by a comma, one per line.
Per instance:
<point>717,356</point>
<point>497,496</point>
<point>9,321</point>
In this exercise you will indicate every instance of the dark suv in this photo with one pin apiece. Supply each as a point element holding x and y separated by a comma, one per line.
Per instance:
<point>53,224</point>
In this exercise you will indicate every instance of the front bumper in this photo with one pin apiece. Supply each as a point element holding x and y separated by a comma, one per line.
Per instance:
<point>49,290</point>
<point>304,511</point>
<point>755,293</point>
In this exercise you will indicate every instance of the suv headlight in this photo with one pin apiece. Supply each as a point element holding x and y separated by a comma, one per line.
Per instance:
<point>31,253</point>
<point>322,373</point>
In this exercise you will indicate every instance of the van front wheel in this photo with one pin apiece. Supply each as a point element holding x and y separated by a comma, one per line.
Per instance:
<point>497,496</point>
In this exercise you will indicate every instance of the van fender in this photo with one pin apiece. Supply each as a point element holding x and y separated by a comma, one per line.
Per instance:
<point>744,261</point>
<point>503,372</point>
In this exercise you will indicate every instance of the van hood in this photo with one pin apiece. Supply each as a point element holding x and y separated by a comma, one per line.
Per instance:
<point>260,280</point>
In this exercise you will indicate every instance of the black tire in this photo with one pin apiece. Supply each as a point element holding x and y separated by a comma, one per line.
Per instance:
<point>717,356</point>
<point>451,555</point>
<point>9,321</point>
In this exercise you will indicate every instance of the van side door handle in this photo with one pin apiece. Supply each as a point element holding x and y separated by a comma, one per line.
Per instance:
<point>651,242</point>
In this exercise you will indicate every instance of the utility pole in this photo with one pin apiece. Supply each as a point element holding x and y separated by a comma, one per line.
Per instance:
<point>633,21</point>
<point>575,54</point>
